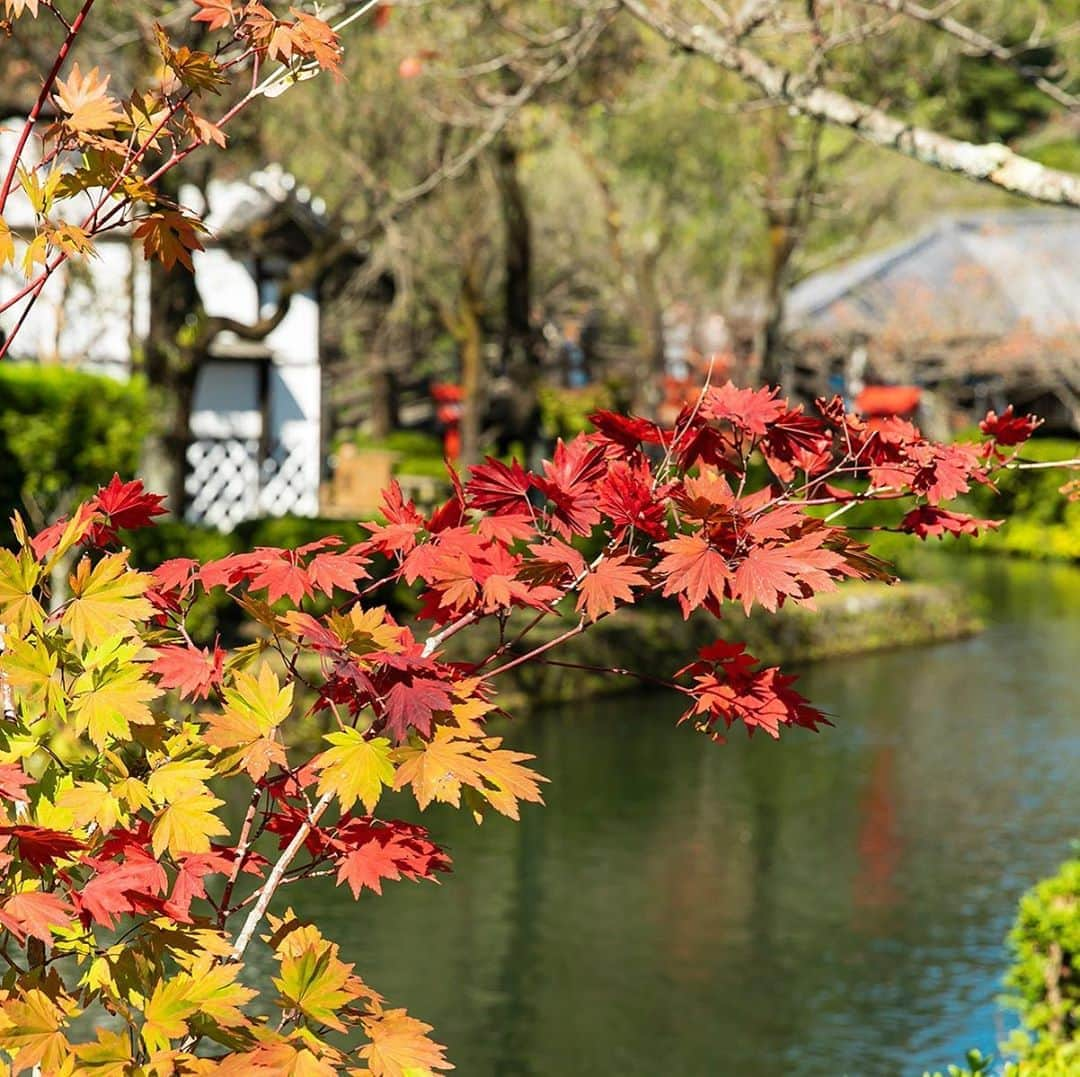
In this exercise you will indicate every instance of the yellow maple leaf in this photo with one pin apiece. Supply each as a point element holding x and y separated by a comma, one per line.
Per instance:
<point>317,983</point>
<point>400,1046</point>
<point>7,244</point>
<point>86,102</point>
<point>355,768</point>
<point>92,801</point>
<point>107,600</point>
<point>31,1029</point>
<point>244,731</point>
<point>19,575</point>
<point>437,769</point>
<point>187,825</point>
<point>177,779</point>
<point>14,8</point>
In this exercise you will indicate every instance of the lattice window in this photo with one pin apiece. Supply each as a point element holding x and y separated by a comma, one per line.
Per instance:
<point>226,483</point>
<point>222,482</point>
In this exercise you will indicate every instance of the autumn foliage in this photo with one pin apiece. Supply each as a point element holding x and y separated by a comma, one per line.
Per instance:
<point>130,899</point>
<point>125,890</point>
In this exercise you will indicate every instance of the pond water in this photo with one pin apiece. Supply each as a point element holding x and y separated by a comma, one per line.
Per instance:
<point>830,904</point>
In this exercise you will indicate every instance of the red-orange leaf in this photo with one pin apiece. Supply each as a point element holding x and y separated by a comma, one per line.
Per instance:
<point>611,581</point>
<point>694,570</point>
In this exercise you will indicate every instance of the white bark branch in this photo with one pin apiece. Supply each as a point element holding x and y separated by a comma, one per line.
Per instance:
<point>991,163</point>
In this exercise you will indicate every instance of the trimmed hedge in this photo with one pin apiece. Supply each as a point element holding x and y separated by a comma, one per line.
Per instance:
<point>63,433</point>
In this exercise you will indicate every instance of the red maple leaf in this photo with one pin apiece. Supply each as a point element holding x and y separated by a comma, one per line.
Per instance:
<point>727,686</point>
<point>34,912</point>
<point>795,441</point>
<point>694,570</point>
<point>39,845</point>
<point>368,866</point>
<point>499,488</point>
<point>279,573</point>
<point>748,411</point>
<point>628,498</point>
<point>570,484</point>
<point>413,703</point>
<point>1009,429</point>
<point>327,571</point>
<point>128,505</point>
<point>176,574</point>
<point>12,781</point>
<point>623,435</point>
<point>217,14</point>
<point>611,581</point>
<point>368,852</point>
<point>193,671</point>
<point>927,521</point>
<point>771,572</point>
<point>120,886</point>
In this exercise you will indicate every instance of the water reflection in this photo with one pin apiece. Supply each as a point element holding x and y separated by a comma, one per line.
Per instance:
<point>830,904</point>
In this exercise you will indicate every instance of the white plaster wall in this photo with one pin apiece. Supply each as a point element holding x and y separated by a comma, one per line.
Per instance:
<point>227,402</point>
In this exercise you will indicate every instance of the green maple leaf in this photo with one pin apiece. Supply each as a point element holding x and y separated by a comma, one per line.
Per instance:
<point>110,695</point>
<point>315,982</point>
<point>168,1011</point>
<point>355,768</point>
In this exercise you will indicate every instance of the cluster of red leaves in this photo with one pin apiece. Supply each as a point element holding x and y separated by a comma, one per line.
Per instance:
<point>363,850</point>
<point>626,511</point>
<point>120,506</point>
<point>728,685</point>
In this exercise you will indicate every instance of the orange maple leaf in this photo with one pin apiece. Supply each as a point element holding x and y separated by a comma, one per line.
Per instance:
<point>84,99</point>
<point>612,580</point>
<point>171,236</point>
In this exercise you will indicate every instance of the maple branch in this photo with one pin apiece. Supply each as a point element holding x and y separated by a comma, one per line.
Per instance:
<point>1042,465</point>
<point>7,695</point>
<point>541,649</point>
<point>242,845</point>
<point>43,96</point>
<point>434,641</point>
<point>277,874</point>
<point>620,671</point>
<point>992,163</point>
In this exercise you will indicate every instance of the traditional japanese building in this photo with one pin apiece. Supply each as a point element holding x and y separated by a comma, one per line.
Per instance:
<point>981,309</point>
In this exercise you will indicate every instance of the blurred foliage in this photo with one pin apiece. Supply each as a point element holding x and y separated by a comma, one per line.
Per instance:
<point>63,433</point>
<point>416,452</point>
<point>565,412</point>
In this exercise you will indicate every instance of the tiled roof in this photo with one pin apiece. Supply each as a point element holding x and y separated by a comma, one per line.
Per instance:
<point>973,275</point>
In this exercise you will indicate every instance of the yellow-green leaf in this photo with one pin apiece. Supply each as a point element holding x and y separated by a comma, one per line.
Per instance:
<point>355,768</point>
<point>19,575</point>
<point>188,825</point>
<point>107,600</point>
<point>178,779</point>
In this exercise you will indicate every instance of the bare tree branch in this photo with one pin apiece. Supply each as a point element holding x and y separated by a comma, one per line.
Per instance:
<point>990,163</point>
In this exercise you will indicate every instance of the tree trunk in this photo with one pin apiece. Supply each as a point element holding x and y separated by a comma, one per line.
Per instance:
<point>384,397</point>
<point>473,380</point>
<point>519,342</point>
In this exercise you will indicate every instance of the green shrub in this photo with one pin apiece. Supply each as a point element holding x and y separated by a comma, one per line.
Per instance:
<point>1044,978</point>
<point>63,433</point>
